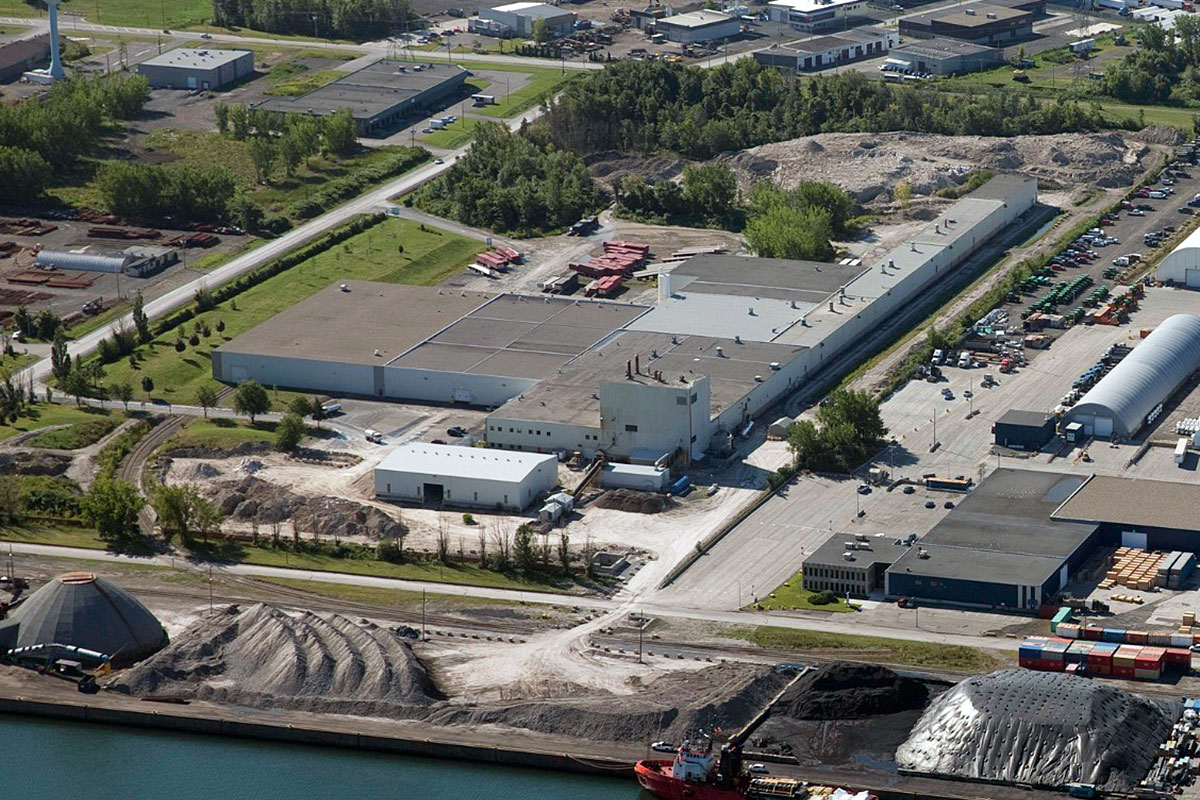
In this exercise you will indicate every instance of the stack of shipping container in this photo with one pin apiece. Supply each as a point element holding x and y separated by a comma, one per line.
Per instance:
<point>1118,659</point>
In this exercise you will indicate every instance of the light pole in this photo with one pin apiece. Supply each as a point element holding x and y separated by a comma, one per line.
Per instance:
<point>423,637</point>
<point>641,627</point>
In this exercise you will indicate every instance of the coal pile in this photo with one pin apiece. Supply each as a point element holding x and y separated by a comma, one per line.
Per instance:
<point>850,691</point>
<point>263,657</point>
<point>634,501</point>
<point>1039,728</point>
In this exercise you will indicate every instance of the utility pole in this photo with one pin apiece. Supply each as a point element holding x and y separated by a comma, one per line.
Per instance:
<point>210,591</point>
<point>935,439</point>
<point>971,398</point>
<point>641,626</point>
<point>423,637</point>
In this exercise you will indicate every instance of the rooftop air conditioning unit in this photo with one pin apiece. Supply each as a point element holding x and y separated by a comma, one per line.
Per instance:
<point>775,365</point>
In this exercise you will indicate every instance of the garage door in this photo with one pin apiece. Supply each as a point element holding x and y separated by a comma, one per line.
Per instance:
<point>1192,278</point>
<point>1133,539</point>
<point>1104,427</point>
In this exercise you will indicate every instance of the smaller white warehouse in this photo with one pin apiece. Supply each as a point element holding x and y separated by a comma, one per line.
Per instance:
<point>438,475</point>
<point>699,26</point>
<point>1181,267</point>
<point>188,68</point>
<point>519,19</point>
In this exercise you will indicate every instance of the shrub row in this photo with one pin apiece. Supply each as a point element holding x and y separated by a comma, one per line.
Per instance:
<point>355,183</point>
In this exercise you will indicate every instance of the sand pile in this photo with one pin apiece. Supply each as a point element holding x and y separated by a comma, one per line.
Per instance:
<point>850,691</point>
<point>725,696</point>
<point>265,658</point>
<point>634,501</point>
<point>1040,728</point>
<point>869,165</point>
<point>252,499</point>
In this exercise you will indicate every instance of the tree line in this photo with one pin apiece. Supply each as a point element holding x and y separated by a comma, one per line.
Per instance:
<point>345,19</point>
<point>1166,63</point>
<point>654,106</point>
<point>516,183</point>
<point>47,136</point>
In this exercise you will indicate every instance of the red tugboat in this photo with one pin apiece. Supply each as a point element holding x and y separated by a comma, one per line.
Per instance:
<point>697,773</point>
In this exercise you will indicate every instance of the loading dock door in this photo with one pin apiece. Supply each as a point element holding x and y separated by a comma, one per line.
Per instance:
<point>433,494</point>
<point>1104,427</point>
<point>1133,539</point>
<point>1191,277</point>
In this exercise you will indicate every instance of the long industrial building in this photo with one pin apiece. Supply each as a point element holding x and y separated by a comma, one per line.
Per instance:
<point>190,68</point>
<point>728,337</point>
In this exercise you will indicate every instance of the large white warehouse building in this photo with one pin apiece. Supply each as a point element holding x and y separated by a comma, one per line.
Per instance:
<point>477,477</point>
<point>1181,267</point>
<point>1121,402</point>
<point>728,337</point>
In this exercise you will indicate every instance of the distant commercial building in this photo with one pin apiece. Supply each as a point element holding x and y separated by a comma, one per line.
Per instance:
<point>190,68</point>
<point>1121,403</point>
<point>1024,430</point>
<point>1148,515</point>
<point>519,19</point>
<point>473,477</point>
<point>812,15</point>
<point>845,565</point>
<point>19,56</point>
<point>822,52</point>
<point>697,27</point>
<point>989,24</point>
<point>380,95</point>
<point>945,57</point>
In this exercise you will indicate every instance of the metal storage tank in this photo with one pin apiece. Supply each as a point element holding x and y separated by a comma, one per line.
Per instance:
<point>1119,404</point>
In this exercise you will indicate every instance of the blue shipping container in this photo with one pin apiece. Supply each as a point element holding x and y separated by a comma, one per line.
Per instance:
<point>1113,635</point>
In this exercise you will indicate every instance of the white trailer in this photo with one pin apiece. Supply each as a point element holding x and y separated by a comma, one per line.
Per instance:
<point>1181,449</point>
<point>482,270</point>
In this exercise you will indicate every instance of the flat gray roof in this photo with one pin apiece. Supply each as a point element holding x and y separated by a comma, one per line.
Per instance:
<point>519,336</point>
<point>960,17</point>
<point>696,19</point>
<point>748,276</point>
<point>1126,501</point>
<point>882,550</point>
<point>196,58</point>
<point>819,44</point>
<point>1015,416</point>
<point>571,395</point>
<point>348,327</point>
<point>942,48</point>
<point>1002,532</point>
<point>533,10</point>
<point>369,91</point>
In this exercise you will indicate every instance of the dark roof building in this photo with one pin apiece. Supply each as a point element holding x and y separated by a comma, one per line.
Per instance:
<point>822,52</point>
<point>850,564</point>
<point>986,23</point>
<point>20,56</point>
<point>380,95</point>
<point>1024,430</point>
<point>82,610</point>
<point>942,56</point>
<point>1000,547</point>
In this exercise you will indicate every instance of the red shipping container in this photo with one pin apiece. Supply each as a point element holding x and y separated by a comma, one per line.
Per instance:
<point>1122,672</point>
<point>1137,637</point>
<point>1178,656</point>
<point>1090,633</point>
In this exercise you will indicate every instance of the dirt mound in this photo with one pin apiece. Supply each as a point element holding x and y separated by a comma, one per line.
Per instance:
<point>869,166</point>
<point>255,500</point>
<point>265,658</point>
<point>612,164</point>
<point>28,463</point>
<point>850,691</point>
<point>634,501</point>
<point>725,695</point>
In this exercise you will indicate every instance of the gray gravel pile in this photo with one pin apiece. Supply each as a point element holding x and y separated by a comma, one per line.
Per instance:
<point>255,500</point>
<point>265,658</point>
<point>1039,728</point>
<point>23,462</point>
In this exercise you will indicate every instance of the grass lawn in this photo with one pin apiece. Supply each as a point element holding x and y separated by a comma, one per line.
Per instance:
<point>221,434</point>
<point>454,136</point>
<point>791,596</point>
<point>99,321</point>
<point>543,82</point>
<point>139,13</point>
<point>304,82</point>
<point>46,414</point>
<point>894,651</point>
<point>387,598</point>
<point>429,256</point>
<point>49,533</point>
<point>433,571</point>
<point>78,434</point>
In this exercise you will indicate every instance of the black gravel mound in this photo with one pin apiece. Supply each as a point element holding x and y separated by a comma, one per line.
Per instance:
<point>851,691</point>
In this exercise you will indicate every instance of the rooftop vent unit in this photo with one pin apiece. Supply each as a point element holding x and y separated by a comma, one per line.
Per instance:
<point>775,365</point>
<point>720,351</point>
<point>758,378</point>
<point>922,553</point>
<point>991,15</point>
<point>344,287</point>
<point>737,338</point>
<point>970,12</point>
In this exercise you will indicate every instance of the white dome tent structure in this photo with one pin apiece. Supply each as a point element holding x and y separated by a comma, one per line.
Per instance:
<point>1120,403</point>
<point>1181,267</point>
<point>82,611</point>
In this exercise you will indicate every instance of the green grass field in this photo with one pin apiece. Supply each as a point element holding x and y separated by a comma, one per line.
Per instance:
<point>429,256</point>
<point>47,533</point>
<point>79,434</point>
<point>543,82</point>
<point>45,415</point>
<point>791,596</point>
<point>140,13</point>
<point>454,136</point>
<point>221,434</point>
<point>431,571</point>
<point>893,651</point>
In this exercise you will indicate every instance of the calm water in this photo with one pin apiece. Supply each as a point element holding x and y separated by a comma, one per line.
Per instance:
<point>45,759</point>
